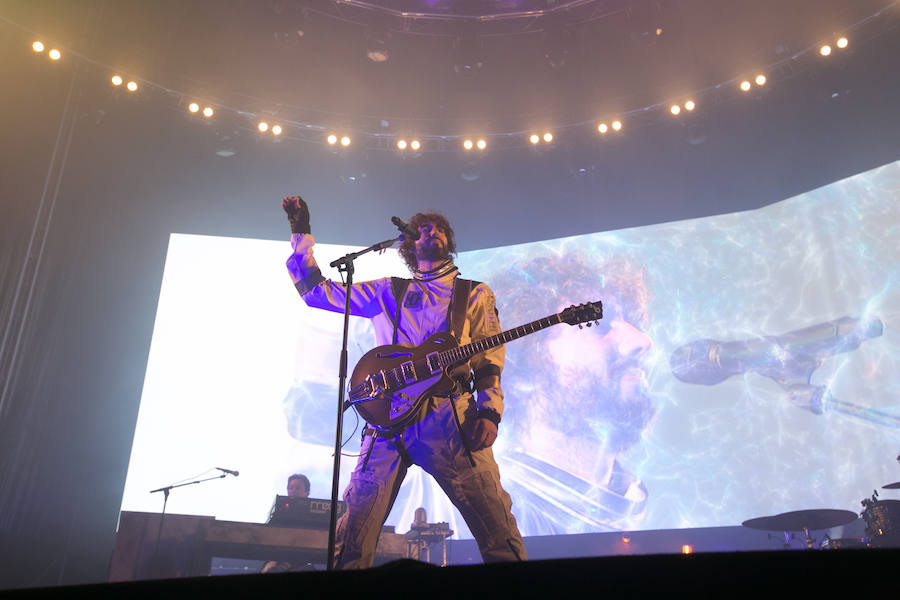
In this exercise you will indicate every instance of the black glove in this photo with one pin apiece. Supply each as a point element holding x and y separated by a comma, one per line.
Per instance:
<point>297,212</point>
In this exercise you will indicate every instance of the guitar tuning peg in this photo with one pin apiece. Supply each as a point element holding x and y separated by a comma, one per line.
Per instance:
<point>589,323</point>
<point>597,323</point>
<point>579,326</point>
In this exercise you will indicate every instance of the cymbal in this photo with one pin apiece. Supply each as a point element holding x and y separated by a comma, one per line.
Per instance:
<point>798,520</point>
<point>891,486</point>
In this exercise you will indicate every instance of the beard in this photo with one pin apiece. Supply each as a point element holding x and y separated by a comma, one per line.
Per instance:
<point>613,412</point>
<point>433,253</point>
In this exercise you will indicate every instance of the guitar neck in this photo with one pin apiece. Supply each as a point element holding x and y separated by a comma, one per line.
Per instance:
<point>461,354</point>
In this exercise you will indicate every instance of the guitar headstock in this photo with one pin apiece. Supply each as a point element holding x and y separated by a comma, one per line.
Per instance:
<point>589,312</point>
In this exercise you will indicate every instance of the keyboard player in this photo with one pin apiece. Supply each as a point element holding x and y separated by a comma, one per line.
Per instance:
<point>297,487</point>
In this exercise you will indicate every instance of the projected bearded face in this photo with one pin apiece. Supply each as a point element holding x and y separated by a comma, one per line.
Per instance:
<point>601,376</point>
<point>586,390</point>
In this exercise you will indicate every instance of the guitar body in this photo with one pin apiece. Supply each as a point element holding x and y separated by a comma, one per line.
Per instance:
<point>390,383</point>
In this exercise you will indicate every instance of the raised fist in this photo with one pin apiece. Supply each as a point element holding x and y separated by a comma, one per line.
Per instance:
<point>297,213</point>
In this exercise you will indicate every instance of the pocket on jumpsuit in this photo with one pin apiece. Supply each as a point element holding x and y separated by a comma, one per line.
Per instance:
<point>361,496</point>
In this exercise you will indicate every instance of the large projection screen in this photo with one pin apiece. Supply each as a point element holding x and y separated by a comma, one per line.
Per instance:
<point>746,365</point>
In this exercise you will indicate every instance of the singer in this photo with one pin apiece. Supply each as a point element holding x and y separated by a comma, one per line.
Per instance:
<point>451,438</point>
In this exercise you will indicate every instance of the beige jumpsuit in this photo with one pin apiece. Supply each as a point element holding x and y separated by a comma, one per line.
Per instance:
<point>434,442</point>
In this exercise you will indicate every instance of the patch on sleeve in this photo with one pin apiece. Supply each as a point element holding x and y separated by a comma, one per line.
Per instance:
<point>413,300</point>
<point>491,314</point>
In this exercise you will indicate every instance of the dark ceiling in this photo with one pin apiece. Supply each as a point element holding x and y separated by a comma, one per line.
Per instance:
<point>735,152</point>
<point>247,54</point>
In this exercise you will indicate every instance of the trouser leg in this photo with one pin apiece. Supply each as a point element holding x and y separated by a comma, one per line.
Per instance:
<point>369,498</point>
<point>474,490</point>
<point>487,509</point>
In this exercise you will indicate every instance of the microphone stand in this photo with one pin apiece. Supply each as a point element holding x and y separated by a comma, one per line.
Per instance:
<point>344,265</point>
<point>162,516</point>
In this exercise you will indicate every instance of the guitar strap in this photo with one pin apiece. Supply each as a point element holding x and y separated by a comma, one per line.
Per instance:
<point>398,286</point>
<point>459,302</point>
<point>456,312</point>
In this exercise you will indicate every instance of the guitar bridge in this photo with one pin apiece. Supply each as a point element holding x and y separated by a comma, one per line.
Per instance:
<point>371,387</point>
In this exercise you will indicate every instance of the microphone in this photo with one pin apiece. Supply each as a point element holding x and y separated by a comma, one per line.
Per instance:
<point>408,232</point>
<point>795,354</point>
<point>229,471</point>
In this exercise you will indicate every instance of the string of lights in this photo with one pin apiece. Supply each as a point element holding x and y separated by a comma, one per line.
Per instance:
<point>343,138</point>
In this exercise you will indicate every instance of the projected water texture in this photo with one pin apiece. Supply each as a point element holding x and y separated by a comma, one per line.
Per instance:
<point>746,365</point>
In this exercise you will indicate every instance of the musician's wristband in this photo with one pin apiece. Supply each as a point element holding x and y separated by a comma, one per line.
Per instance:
<point>483,376</point>
<point>313,279</point>
<point>491,415</point>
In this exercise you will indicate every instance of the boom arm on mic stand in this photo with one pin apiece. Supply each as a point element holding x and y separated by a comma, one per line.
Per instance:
<point>153,569</point>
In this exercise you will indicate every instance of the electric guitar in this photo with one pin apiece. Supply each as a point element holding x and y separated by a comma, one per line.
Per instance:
<point>390,383</point>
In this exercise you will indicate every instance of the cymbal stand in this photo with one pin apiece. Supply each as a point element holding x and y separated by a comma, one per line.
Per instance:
<point>787,538</point>
<point>810,541</point>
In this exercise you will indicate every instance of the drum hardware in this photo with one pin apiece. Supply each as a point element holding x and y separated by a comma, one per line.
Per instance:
<point>803,520</point>
<point>830,543</point>
<point>422,534</point>
<point>786,535</point>
<point>882,519</point>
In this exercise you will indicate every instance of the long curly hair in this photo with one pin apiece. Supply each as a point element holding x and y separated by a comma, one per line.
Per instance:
<point>407,249</point>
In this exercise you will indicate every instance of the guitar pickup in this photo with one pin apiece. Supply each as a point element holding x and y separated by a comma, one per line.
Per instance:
<point>433,363</point>
<point>409,372</point>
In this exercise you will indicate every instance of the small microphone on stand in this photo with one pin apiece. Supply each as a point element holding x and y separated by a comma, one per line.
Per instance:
<point>406,229</point>
<point>229,471</point>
